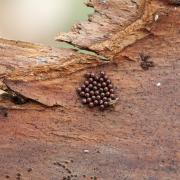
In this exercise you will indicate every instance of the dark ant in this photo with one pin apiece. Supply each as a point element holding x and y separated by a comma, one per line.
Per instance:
<point>145,63</point>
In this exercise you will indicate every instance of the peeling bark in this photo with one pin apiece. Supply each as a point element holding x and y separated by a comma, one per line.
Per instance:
<point>138,139</point>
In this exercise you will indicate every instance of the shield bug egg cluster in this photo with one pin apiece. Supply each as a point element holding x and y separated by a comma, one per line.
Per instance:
<point>97,91</point>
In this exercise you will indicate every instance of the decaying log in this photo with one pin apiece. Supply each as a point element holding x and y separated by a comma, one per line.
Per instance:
<point>52,136</point>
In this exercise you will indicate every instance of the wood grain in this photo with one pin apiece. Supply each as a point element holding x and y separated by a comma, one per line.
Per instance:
<point>53,133</point>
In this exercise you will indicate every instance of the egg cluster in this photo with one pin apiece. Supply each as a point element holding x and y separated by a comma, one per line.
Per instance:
<point>97,90</point>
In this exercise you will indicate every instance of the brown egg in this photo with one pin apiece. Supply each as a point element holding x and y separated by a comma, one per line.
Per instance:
<point>90,86</point>
<point>84,101</point>
<point>102,95</point>
<point>96,78</point>
<point>101,80</point>
<point>89,100</point>
<point>87,75</point>
<point>83,87</point>
<point>101,89</point>
<point>91,93</point>
<point>99,85</point>
<point>98,97</point>
<point>95,83</point>
<point>105,78</point>
<point>93,98</point>
<point>91,104</point>
<point>104,98</point>
<point>110,86</point>
<point>112,96</point>
<point>82,93</point>
<point>102,107</point>
<point>91,80</point>
<point>104,84</point>
<point>108,81</point>
<point>101,102</point>
<point>79,90</point>
<point>106,89</point>
<point>92,75</point>
<point>87,95</point>
<point>86,83</point>
<point>96,92</point>
<point>111,90</point>
<point>106,103</point>
<point>96,102</point>
<point>87,90</point>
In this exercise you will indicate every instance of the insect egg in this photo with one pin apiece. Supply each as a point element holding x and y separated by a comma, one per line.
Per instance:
<point>90,79</point>
<point>94,83</point>
<point>102,94</point>
<point>97,90</point>
<point>91,92</point>
<point>92,75</point>
<point>89,99</point>
<point>103,84</point>
<point>106,103</point>
<point>87,95</point>
<point>111,90</point>
<point>91,104</point>
<point>82,93</point>
<point>101,79</point>
<point>87,75</point>
<point>93,97</point>
<point>83,86</point>
<point>96,102</point>
<point>86,83</point>
<point>110,86</point>
<point>105,89</point>
<point>79,90</point>
<point>98,97</point>
<point>90,86</point>
<point>101,90</point>
<point>101,102</point>
<point>96,78</point>
<point>112,96</point>
<point>84,101</point>
<point>102,107</point>
<point>108,81</point>
<point>104,98</point>
<point>87,90</point>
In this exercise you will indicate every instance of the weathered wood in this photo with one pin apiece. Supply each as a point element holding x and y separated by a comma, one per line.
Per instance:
<point>138,139</point>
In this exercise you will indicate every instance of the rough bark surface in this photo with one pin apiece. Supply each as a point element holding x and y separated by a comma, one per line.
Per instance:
<point>53,136</point>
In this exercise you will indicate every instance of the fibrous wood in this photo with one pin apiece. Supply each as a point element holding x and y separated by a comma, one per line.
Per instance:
<point>138,139</point>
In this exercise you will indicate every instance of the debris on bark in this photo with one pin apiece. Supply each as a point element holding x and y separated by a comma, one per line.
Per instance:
<point>174,2</point>
<point>145,62</point>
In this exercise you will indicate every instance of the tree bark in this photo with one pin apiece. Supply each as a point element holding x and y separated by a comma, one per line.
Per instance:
<point>52,136</point>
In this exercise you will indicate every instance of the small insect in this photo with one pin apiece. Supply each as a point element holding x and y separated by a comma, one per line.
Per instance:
<point>145,62</point>
<point>97,91</point>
